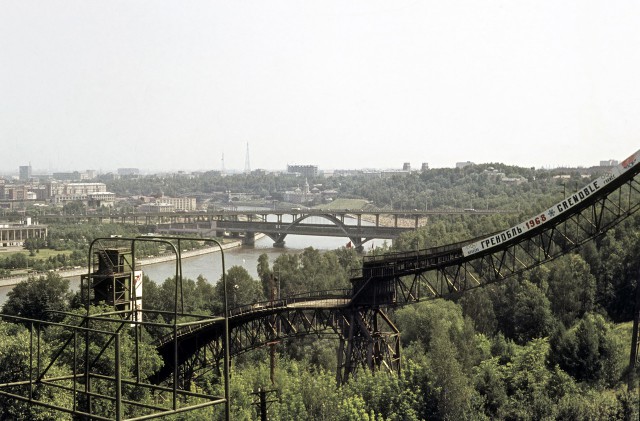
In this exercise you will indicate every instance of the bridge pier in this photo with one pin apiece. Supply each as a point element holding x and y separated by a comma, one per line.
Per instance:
<point>249,239</point>
<point>358,244</point>
<point>278,241</point>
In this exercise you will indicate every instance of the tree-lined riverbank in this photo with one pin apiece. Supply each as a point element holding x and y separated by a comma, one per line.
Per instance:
<point>167,257</point>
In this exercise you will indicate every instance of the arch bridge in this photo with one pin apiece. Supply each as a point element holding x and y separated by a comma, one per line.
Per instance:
<point>358,234</point>
<point>341,223</point>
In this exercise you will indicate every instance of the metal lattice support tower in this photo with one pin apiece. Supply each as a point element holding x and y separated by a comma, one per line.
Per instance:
<point>368,338</point>
<point>371,341</point>
<point>259,325</point>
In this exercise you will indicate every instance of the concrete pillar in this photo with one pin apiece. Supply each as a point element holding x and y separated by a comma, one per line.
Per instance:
<point>280,241</point>
<point>357,244</point>
<point>249,239</point>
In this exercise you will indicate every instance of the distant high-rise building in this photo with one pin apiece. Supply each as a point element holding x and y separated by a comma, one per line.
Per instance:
<point>247,165</point>
<point>463,164</point>
<point>307,171</point>
<point>425,166</point>
<point>25,172</point>
<point>406,166</point>
<point>67,176</point>
<point>609,163</point>
<point>128,171</point>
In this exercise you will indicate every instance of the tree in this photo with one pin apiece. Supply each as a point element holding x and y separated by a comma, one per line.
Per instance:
<point>205,294</point>
<point>74,208</point>
<point>241,288</point>
<point>523,311</point>
<point>15,358</point>
<point>422,322</point>
<point>571,288</point>
<point>100,348</point>
<point>527,380</point>
<point>286,268</point>
<point>489,383</point>
<point>477,305</point>
<point>266,274</point>
<point>36,298</point>
<point>31,244</point>
<point>589,351</point>
<point>322,271</point>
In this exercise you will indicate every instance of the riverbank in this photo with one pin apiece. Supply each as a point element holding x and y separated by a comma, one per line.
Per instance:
<point>168,257</point>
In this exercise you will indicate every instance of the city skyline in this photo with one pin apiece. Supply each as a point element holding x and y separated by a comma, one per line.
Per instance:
<point>168,86</point>
<point>414,167</point>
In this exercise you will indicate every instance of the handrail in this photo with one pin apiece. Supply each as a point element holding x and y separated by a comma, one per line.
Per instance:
<point>393,256</point>
<point>311,296</point>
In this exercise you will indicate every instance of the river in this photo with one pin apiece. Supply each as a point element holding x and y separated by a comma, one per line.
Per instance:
<point>210,266</point>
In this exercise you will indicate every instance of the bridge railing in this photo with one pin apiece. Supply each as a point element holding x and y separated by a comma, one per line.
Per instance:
<point>291,299</point>
<point>368,260</point>
<point>329,293</point>
<point>186,328</point>
<point>373,259</point>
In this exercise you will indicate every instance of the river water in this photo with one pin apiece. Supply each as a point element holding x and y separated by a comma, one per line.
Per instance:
<point>210,265</point>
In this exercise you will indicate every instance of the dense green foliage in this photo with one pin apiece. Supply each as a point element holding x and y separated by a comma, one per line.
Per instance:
<point>507,351</point>
<point>39,298</point>
<point>547,345</point>
<point>475,186</point>
<point>71,242</point>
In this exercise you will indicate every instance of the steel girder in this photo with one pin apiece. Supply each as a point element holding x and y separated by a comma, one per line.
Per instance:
<point>460,274</point>
<point>204,350</point>
<point>368,339</point>
<point>371,342</point>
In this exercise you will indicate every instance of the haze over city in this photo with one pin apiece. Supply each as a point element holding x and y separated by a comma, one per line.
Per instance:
<point>167,85</point>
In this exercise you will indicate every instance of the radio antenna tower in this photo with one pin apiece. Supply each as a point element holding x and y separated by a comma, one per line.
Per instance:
<point>222,162</point>
<point>247,166</point>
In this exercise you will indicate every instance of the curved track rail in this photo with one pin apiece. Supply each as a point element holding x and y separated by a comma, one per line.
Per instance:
<point>368,338</point>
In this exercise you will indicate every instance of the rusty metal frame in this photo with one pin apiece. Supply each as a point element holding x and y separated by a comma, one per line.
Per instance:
<point>82,375</point>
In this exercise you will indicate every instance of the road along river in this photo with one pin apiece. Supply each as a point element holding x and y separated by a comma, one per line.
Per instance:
<point>210,265</point>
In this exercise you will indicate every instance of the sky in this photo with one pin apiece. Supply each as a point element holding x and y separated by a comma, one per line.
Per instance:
<point>345,84</point>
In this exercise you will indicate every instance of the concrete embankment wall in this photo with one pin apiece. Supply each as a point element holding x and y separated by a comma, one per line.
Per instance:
<point>71,273</point>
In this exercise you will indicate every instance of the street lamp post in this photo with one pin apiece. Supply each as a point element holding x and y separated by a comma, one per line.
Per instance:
<point>236,287</point>
<point>225,307</point>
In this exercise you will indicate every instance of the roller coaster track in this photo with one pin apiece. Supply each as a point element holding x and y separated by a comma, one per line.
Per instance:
<point>368,338</point>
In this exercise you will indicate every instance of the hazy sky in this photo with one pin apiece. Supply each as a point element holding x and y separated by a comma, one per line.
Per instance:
<point>340,84</point>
